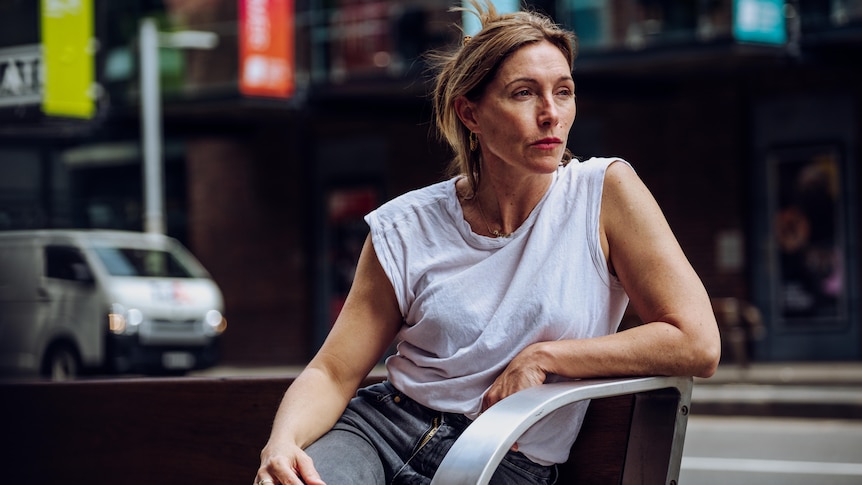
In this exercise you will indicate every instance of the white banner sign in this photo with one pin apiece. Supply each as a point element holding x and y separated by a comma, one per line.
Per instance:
<point>21,75</point>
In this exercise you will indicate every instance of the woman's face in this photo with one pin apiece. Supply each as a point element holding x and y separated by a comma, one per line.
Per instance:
<point>524,116</point>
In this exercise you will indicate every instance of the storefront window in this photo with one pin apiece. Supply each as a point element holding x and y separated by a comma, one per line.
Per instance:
<point>591,20</point>
<point>819,15</point>
<point>809,285</point>
<point>637,24</point>
<point>373,39</point>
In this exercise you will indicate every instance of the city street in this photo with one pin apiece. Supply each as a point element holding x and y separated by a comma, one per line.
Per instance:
<point>759,451</point>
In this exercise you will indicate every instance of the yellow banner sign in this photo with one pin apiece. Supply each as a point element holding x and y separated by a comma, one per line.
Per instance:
<point>68,49</point>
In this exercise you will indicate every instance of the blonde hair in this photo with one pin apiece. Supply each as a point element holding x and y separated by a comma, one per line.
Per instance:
<point>469,69</point>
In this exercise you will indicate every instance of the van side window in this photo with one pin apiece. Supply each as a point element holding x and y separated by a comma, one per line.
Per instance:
<point>66,263</point>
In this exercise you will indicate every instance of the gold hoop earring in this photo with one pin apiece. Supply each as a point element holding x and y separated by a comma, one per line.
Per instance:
<point>474,142</point>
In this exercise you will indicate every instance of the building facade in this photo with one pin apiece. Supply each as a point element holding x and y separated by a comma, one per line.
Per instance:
<point>743,118</point>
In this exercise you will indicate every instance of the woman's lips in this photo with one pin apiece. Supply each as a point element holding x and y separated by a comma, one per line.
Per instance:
<point>547,143</point>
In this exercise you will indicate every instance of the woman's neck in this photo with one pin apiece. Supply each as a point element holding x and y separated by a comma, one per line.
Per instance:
<point>502,204</point>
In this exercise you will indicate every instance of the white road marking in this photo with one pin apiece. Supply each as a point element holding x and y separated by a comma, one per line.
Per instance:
<point>771,466</point>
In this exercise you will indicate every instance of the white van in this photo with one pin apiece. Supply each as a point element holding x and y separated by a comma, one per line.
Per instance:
<point>73,301</point>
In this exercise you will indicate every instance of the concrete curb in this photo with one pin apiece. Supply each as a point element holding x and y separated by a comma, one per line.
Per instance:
<point>818,390</point>
<point>821,402</point>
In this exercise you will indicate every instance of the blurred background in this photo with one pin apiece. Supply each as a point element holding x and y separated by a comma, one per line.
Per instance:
<point>280,123</point>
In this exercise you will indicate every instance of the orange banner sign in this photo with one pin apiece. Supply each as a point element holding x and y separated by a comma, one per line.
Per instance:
<point>266,48</point>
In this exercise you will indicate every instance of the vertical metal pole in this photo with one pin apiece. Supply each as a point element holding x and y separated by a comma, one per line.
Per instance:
<point>151,127</point>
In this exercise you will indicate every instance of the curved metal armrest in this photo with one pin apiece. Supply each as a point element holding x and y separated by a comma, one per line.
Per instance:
<point>479,450</point>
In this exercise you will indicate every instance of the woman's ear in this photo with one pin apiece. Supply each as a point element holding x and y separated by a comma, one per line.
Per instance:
<point>466,111</point>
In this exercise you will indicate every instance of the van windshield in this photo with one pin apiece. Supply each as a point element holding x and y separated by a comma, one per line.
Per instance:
<point>142,262</point>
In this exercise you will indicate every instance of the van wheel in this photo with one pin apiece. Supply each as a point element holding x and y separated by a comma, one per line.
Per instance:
<point>61,364</point>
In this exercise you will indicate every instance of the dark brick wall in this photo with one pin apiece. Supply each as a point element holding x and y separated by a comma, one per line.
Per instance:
<point>687,143</point>
<point>246,224</point>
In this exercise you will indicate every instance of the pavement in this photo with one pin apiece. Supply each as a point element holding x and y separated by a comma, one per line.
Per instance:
<point>822,390</point>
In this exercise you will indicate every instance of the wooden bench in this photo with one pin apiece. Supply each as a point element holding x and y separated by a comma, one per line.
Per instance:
<point>210,430</point>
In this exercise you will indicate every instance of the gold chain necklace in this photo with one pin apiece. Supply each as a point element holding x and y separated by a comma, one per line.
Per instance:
<point>493,232</point>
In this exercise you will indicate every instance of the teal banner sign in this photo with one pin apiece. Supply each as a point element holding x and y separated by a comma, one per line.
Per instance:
<point>471,22</point>
<point>759,21</point>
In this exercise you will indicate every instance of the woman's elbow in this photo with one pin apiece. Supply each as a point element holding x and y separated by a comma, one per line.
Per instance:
<point>706,355</point>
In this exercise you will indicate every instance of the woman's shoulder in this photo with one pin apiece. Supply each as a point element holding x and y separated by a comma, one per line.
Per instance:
<point>430,194</point>
<point>592,170</point>
<point>416,201</point>
<point>595,164</point>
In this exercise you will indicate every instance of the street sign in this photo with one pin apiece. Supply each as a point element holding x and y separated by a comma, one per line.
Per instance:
<point>266,38</point>
<point>68,48</point>
<point>471,22</point>
<point>21,75</point>
<point>759,21</point>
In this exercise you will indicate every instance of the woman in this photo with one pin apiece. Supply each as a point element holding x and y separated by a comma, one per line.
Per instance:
<point>513,273</point>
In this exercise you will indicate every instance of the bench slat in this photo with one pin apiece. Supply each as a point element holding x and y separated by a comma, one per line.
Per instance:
<point>159,431</point>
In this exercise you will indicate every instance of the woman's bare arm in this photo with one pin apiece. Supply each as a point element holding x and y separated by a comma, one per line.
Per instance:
<point>680,336</point>
<point>363,331</point>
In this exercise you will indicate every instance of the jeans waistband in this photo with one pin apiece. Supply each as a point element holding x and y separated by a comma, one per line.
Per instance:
<point>456,420</point>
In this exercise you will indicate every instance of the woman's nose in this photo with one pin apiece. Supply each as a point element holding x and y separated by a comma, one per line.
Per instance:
<point>548,112</point>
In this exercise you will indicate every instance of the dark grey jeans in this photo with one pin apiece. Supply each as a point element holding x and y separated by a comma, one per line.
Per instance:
<point>385,438</point>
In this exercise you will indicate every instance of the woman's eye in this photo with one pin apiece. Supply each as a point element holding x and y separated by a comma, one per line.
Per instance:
<point>522,93</point>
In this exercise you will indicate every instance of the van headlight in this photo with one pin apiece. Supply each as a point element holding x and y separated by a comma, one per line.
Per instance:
<point>124,321</point>
<point>214,323</point>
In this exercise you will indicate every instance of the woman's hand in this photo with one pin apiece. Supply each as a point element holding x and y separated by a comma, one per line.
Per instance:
<point>524,371</point>
<point>288,465</point>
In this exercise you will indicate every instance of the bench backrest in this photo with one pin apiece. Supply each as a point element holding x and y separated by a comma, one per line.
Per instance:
<point>201,430</point>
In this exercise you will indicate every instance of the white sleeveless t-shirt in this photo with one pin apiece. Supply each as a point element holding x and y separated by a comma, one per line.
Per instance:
<point>470,303</point>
